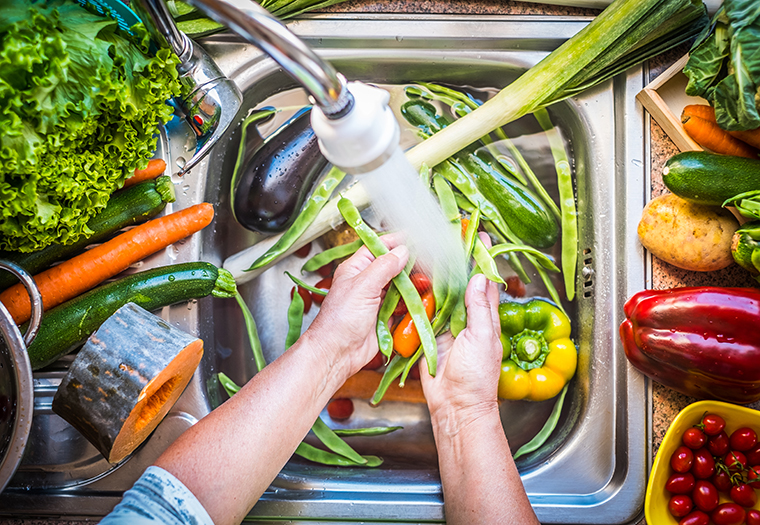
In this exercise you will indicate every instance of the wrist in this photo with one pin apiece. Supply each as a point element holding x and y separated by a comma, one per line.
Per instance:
<point>456,420</point>
<point>329,363</point>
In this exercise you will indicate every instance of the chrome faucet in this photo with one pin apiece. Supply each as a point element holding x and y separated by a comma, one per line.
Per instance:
<point>211,100</point>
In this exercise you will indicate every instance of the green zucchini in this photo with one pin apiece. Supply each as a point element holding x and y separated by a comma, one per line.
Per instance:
<point>125,208</point>
<point>68,325</point>
<point>745,247</point>
<point>707,178</point>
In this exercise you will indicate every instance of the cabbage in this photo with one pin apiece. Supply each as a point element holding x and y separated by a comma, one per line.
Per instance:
<point>80,106</point>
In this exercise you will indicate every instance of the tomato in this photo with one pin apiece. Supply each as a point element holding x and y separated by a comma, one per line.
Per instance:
<point>303,251</point>
<point>704,464</point>
<point>323,284</point>
<point>305,295</point>
<point>753,517</point>
<point>375,363</point>
<point>753,474</point>
<point>326,270</point>
<point>735,461</point>
<point>705,496</point>
<point>728,514</point>
<point>744,495</point>
<point>743,439</point>
<point>421,282</point>
<point>400,308</point>
<point>682,459</point>
<point>515,287</point>
<point>695,518</point>
<point>340,408</point>
<point>694,438</point>
<point>721,480</point>
<point>713,424</point>
<point>718,444</point>
<point>680,483</point>
<point>680,505</point>
<point>753,455</point>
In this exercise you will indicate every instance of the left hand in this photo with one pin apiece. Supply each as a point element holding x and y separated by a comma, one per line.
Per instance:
<point>344,329</point>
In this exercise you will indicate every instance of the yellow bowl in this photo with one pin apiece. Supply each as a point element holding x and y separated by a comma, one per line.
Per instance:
<point>656,503</point>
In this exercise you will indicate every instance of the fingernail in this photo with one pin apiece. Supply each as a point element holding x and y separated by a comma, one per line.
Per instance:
<point>479,282</point>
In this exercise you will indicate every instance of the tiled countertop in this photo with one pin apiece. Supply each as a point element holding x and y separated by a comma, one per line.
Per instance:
<point>667,403</point>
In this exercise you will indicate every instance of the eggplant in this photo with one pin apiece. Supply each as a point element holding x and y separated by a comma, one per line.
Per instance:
<point>276,175</point>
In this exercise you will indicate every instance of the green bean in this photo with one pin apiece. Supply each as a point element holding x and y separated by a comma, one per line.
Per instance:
<point>262,114</point>
<point>543,434</point>
<point>325,457</point>
<point>295,320</point>
<point>444,314</point>
<point>384,336</point>
<point>458,320</point>
<point>309,212</point>
<point>299,282</point>
<point>403,283</point>
<point>569,218</point>
<point>471,232</point>
<point>392,371</point>
<point>368,431</point>
<point>408,366</point>
<point>330,255</point>
<point>465,204</point>
<point>253,333</point>
<point>229,385</point>
<point>544,260</point>
<point>519,269</point>
<point>329,439</point>
<point>446,198</point>
<point>485,262</point>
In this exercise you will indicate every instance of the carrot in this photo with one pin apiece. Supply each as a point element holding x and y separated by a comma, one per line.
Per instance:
<point>465,223</point>
<point>364,384</point>
<point>751,137</point>
<point>155,168</point>
<point>78,274</point>
<point>709,135</point>
<point>406,339</point>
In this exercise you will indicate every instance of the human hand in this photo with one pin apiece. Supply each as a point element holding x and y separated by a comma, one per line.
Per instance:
<point>466,382</point>
<point>345,328</point>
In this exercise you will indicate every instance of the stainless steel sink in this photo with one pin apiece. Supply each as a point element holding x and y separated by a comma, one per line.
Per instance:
<point>593,470</point>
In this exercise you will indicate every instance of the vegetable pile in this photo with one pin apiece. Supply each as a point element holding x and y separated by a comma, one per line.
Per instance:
<point>81,105</point>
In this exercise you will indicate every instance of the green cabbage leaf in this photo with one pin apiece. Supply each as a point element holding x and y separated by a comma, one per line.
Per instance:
<point>80,107</point>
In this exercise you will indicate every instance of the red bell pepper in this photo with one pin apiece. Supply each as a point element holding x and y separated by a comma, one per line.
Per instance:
<point>701,341</point>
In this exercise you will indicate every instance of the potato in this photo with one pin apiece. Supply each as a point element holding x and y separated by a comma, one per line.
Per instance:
<point>689,236</point>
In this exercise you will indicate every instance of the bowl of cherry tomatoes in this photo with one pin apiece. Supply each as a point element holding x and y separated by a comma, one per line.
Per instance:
<point>707,470</point>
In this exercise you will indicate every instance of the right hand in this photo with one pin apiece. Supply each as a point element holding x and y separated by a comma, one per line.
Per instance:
<point>467,379</point>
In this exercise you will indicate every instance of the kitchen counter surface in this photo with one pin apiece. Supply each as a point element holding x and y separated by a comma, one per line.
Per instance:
<point>666,403</point>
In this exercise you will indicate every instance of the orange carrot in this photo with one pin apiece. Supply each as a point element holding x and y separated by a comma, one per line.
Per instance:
<point>364,384</point>
<point>78,274</point>
<point>709,135</point>
<point>406,339</point>
<point>465,223</point>
<point>751,137</point>
<point>155,168</point>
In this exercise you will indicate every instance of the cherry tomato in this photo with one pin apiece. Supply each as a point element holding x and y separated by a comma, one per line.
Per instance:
<point>753,474</point>
<point>305,295</point>
<point>303,251</point>
<point>400,308</point>
<point>705,496</point>
<point>323,284</point>
<point>704,464</point>
<point>340,408</point>
<point>515,287</point>
<point>713,424</point>
<point>743,439</point>
<point>375,363</point>
<point>744,495</point>
<point>753,455</point>
<point>680,483</point>
<point>735,461</point>
<point>326,270</point>
<point>682,459</point>
<point>680,505</point>
<point>722,481</point>
<point>421,282</point>
<point>753,517</point>
<point>728,514</point>
<point>718,444</point>
<point>694,438</point>
<point>695,518</point>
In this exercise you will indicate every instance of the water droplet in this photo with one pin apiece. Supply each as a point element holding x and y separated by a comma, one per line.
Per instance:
<point>171,278</point>
<point>172,251</point>
<point>637,163</point>
<point>181,162</point>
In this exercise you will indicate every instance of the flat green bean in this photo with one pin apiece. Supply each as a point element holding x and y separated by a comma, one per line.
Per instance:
<point>543,434</point>
<point>329,439</point>
<point>309,212</point>
<point>458,320</point>
<point>446,198</point>
<point>330,255</point>
<point>471,232</point>
<point>295,320</point>
<point>253,333</point>
<point>392,371</point>
<point>384,336</point>
<point>228,384</point>
<point>485,262</point>
<point>543,260</point>
<point>408,367</point>
<point>299,282</point>
<point>403,283</point>
<point>465,204</point>
<point>367,431</point>
<point>325,457</point>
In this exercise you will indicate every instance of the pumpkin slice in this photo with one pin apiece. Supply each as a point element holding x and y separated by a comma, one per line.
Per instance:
<point>125,379</point>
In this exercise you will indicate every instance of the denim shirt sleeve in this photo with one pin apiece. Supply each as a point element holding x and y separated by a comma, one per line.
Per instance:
<point>158,498</point>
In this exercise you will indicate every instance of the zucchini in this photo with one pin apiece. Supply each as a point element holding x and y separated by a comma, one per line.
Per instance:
<point>68,325</point>
<point>125,208</point>
<point>745,247</point>
<point>707,178</point>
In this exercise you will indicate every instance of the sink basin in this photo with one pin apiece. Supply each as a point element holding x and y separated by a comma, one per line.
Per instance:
<point>594,467</point>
